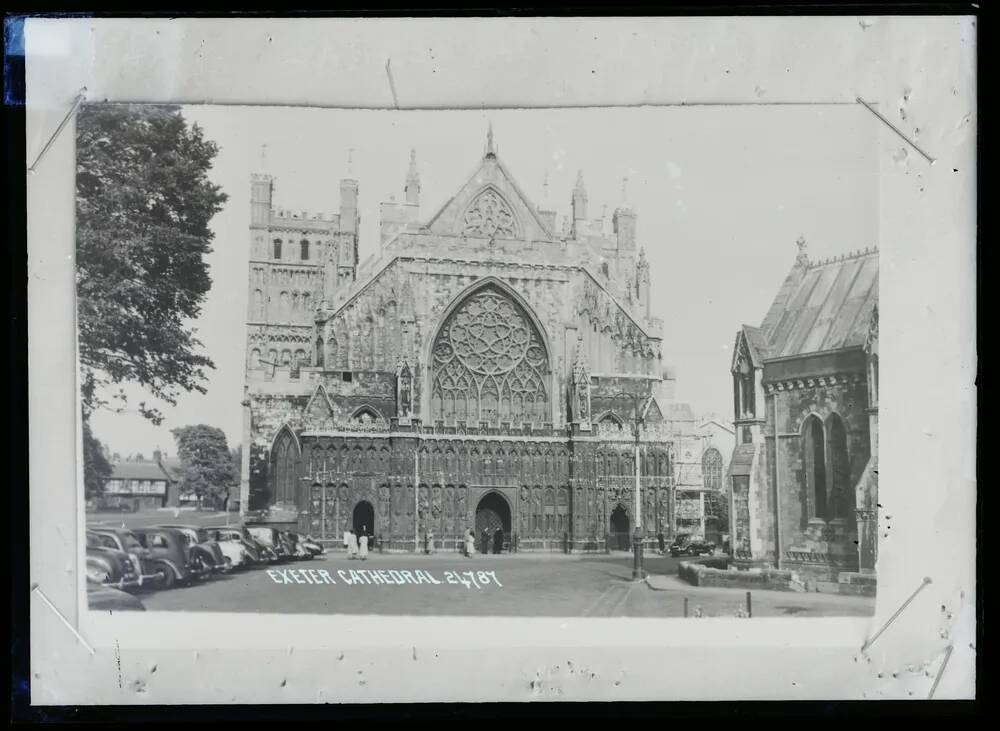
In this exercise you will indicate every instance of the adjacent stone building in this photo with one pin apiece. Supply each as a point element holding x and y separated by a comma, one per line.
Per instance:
<point>804,472</point>
<point>483,369</point>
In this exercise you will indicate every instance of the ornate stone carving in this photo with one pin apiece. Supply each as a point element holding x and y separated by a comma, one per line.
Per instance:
<point>490,216</point>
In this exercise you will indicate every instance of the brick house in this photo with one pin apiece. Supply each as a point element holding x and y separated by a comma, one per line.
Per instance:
<point>140,485</point>
<point>804,471</point>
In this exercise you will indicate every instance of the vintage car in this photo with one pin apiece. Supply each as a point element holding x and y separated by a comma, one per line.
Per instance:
<point>173,554</point>
<point>235,547</point>
<point>203,548</point>
<point>686,544</point>
<point>109,565</point>
<point>275,540</point>
<point>122,539</point>
<point>101,596</point>
<point>305,546</point>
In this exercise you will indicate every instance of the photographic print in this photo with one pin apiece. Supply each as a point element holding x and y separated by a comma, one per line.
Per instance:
<point>583,363</point>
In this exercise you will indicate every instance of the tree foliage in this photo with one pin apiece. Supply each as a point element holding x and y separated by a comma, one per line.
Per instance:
<point>144,203</point>
<point>206,462</point>
<point>96,468</point>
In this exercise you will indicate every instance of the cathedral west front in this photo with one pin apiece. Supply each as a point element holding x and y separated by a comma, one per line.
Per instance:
<point>484,370</point>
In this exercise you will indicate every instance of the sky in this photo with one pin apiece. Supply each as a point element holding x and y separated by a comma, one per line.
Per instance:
<point>721,192</point>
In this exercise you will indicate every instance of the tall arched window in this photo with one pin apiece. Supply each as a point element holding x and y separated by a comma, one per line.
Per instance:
<point>841,492</point>
<point>277,248</point>
<point>319,352</point>
<point>489,362</point>
<point>815,466</point>
<point>258,304</point>
<point>304,250</point>
<point>285,469</point>
<point>711,469</point>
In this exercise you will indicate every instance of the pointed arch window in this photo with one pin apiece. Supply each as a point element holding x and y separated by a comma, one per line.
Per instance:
<point>814,445</point>
<point>277,248</point>
<point>489,363</point>
<point>304,250</point>
<point>841,499</point>
<point>711,469</point>
<point>285,466</point>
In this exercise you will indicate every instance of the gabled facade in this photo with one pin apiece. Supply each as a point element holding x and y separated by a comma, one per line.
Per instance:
<point>477,372</point>
<point>804,471</point>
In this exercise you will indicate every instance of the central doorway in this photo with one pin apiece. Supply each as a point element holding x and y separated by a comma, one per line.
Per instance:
<point>492,524</point>
<point>620,533</point>
<point>364,519</point>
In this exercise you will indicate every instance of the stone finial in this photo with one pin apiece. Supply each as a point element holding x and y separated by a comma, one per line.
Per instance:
<point>579,181</point>
<point>490,149</point>
<point>802,259</point>
<point>263,158</point>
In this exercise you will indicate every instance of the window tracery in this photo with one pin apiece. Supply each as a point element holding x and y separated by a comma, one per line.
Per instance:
<point>489,363</point>
<point>490,215</point>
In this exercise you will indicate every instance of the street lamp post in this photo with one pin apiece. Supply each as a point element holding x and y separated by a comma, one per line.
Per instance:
<point>637,569</point>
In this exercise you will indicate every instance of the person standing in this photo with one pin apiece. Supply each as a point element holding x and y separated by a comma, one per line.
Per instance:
<point>352,544</point>
<point>486,541</point>
<point>662,542</point>
<point>363,544</point>
<point>498,541</point>
<point>430,542</point>
<point>470,543</point>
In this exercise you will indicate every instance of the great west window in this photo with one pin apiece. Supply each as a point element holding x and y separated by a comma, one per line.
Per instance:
<point>489,363</point>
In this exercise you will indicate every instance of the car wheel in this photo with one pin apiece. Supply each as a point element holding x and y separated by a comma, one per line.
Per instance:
<point>165,576</point>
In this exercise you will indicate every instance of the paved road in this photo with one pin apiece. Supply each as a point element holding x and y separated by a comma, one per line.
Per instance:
<point>512,585</point>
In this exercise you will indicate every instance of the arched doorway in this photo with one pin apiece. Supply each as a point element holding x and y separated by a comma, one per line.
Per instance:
<point>364,519</point>
<point>620,538</point>
<point>493,516</point>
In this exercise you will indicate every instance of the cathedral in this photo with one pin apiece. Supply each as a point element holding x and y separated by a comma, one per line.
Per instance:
<point>484,370</point>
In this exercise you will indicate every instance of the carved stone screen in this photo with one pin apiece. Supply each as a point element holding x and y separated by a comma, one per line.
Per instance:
<point>489,364</point>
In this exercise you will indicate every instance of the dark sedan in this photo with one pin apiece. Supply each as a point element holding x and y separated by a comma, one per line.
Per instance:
<point>687,545</point>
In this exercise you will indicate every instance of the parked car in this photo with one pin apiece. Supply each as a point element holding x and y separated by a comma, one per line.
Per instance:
<point>235,546</point>
<point>274,540</point>
<point>203,548</point>
<point>266,551</point>
<point>122,539</point>
<point>173,554</point>
<point>303,547</point>
<point>687,545</point>
<point>109,566</point>
<point>310,544</point>
<point>100,596</point>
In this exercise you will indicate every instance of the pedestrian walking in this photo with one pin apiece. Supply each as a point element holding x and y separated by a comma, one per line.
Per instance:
<point>662,542</point>
<point>363,544</point>
<point>352,545</point>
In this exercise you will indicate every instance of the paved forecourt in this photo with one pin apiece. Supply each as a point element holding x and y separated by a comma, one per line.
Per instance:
<point>485,585</point>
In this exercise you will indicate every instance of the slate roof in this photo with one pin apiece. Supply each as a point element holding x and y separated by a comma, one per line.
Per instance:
<point>821,306</point>
<point>138,471</point>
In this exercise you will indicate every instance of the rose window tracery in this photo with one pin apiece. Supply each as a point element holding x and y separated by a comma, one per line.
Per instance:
<point>489,364</point>
<point>489,216</point>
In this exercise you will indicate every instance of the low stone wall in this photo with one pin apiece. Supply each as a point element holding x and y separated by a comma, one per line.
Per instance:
<point>700,574</point>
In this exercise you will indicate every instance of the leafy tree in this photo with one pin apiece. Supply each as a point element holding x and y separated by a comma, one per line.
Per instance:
<point>206,463</point>
<point>144,203</point>
<point>96,468</point>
